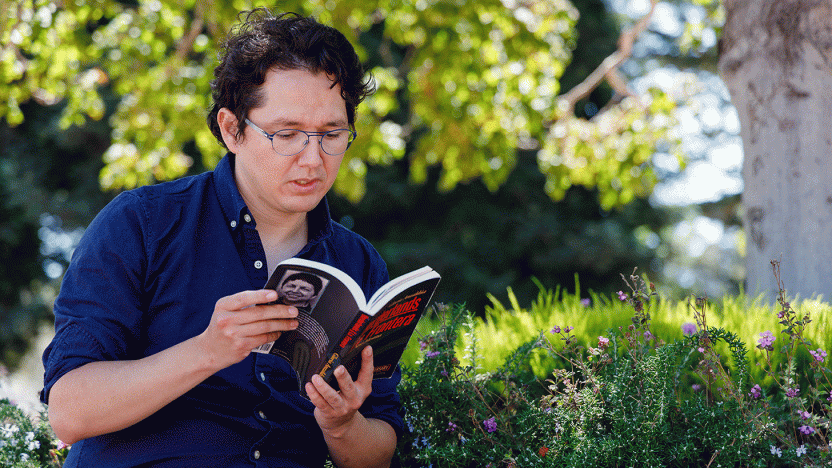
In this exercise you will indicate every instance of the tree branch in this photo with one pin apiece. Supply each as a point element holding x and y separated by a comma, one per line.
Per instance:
<point>608,68</point>
<point>186,44</point>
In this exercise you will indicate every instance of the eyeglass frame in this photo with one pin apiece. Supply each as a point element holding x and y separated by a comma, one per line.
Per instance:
<point>309,135</point>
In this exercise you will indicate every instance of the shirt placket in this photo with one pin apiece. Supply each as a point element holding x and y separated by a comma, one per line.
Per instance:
<point>254,256</point>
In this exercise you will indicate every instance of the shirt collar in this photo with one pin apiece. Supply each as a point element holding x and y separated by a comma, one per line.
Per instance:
<point>234,207</point>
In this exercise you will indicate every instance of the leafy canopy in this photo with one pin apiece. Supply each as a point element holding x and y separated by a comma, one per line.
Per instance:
<point>461,85</point>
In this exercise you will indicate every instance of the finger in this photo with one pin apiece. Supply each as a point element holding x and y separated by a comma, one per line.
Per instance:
<point>365,375</point>
<point>321,393</point>
<point>265,327</point>
<point>345,382</point>
<point>314,396</point>
<point>244,299</point>
<point>272,311</point>
<point>263,316</point>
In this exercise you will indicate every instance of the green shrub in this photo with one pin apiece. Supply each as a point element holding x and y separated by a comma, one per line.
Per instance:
<point>27,442</point>
<point>621,396</point>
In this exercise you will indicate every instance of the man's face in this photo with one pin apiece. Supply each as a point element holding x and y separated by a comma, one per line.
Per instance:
<point>276,186</point>
<point>297,291</point>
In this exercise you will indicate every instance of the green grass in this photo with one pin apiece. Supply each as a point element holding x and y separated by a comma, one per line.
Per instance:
<point>507,326</point>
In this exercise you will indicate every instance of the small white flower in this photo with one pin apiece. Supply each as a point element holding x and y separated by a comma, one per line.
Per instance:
<point>24,456</point>
<point>776,451</point>
<point>9,430</point>
<point>34,445</point>
<point>801,450</point>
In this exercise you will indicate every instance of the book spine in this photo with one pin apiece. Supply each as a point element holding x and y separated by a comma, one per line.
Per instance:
<point>347,341</point>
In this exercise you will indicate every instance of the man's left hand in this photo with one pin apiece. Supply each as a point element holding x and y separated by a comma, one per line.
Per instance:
<point>336,411</point>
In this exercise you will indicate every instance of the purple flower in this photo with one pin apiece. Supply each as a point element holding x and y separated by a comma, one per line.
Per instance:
<point>696,387</point>
<point>585,302</point>
<point>793,392</point>
<point>700,349</point>
<point>432,354</point>
<point>648,335</point>
<point>622,296</point>
<point>555,330</point>
<point>603,342</point>
<point>756,391</point>
<point>451,427</point>
<point>765,341</point>
<point>688,328</point>
<point>807,430</point>
<point>568,329</point>
<point>804,415</point>
<point>819,355</point>
<point>490,424</point>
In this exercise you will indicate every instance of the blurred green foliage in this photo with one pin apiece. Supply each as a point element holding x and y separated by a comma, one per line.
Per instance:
<point>483,242</point>
<point>48,193</point>
<point>461,86</point>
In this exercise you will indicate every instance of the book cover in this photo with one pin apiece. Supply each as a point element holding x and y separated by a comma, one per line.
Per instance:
<point>336,322</point>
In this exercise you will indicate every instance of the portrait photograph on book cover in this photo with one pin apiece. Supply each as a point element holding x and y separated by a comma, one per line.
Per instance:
<point>300,289</point>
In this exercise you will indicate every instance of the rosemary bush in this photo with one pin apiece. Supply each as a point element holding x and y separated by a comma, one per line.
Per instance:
<point>627,399</point>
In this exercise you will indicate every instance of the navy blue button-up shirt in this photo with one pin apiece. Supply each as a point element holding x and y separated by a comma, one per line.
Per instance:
<point>146,276</point>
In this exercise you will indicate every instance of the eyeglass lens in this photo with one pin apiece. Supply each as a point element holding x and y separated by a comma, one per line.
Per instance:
<point>291,142</point>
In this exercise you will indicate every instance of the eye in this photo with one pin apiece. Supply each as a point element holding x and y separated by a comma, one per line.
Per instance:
<point>286,134</point>
<point>336,134</point>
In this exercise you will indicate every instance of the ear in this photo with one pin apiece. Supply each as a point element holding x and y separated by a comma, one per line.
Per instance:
<point>227,122</point>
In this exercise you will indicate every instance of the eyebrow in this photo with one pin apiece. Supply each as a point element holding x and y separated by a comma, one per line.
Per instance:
<point>289,123</point>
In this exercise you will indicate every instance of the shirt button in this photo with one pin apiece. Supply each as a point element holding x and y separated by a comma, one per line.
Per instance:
<point>256,454</point>
<point>247,217</point>
<point>233,224</point>
<point>263,376</point>
<point>261,414</point>
<point>258,264</point>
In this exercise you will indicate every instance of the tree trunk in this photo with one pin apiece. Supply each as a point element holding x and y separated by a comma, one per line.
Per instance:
<point>776,59</point>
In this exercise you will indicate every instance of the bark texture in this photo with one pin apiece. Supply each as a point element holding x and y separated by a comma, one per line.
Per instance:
<point>776,59</point>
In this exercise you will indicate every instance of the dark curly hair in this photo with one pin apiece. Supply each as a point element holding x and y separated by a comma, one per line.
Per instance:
<point>289,41</point>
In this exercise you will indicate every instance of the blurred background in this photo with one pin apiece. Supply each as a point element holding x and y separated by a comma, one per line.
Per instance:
<point>515,144</point>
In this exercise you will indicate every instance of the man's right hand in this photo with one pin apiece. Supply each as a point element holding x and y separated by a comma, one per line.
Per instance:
<point>242,322</point>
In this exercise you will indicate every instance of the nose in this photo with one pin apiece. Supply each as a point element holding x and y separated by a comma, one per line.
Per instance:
<point>312,153</point>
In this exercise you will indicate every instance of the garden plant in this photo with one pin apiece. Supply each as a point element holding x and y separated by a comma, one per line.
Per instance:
<point>634,395</point>
<point>628,398</point>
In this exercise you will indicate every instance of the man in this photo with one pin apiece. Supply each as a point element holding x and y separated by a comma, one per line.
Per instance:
<point>299,289</point>
<point>162,303</point>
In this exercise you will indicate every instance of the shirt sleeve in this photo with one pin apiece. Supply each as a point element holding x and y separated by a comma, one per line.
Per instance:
<point>385,404</point>
<point>98,311</point>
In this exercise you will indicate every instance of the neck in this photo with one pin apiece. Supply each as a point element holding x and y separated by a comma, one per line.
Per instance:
<point>282,241</point>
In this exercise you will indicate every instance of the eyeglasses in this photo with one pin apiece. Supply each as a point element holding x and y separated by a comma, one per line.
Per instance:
<point>290,142</point>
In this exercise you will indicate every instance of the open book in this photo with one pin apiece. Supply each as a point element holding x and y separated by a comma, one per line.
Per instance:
<point>336,322</point>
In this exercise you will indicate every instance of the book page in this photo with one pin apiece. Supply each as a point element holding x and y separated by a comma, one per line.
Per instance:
<point>402,282</point>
